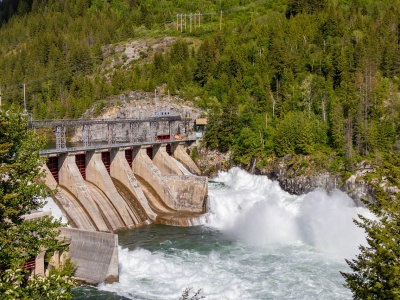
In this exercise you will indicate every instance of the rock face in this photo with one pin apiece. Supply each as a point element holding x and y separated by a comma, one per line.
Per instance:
<point>298,175</point>
<point>297,181</point>
<point>303,179</point>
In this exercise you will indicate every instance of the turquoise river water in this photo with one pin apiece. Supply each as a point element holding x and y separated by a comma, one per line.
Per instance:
<point>257,242</point>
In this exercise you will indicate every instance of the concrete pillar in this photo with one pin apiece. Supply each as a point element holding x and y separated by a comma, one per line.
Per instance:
<point>117,212</point>
<point>55,259</point>
<point>163,161</point>
<point>39,264</point>
<point>68,204</point>
<point>121,171</point>
<point>71,179</point>
<point>179,152</point>
<point>144,168</point>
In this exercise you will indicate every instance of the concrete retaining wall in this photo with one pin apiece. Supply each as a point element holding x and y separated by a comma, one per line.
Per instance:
<point>95,255</point>
<point>190,192</point>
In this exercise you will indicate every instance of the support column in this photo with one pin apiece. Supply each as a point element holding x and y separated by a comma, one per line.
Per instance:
<point>60,137</point>
<point>39,264</point>
<point>72,180</point>
<point>113,206</point>
<point>134,132</point>
<point>87,135</point>
<point>112,136</point>
<point>121,171</point>
<point>152,136</point>
<point>163,161</point>
<point>173,129</point>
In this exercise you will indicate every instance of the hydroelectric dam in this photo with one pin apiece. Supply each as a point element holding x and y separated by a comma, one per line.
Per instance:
<point>129,180</point>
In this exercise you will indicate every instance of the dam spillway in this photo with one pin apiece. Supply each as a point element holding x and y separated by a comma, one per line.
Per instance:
<point>113,189</point>
<point>129,181</point>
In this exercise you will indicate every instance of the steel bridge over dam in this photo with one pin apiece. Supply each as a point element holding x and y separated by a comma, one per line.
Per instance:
<point>97,134</point>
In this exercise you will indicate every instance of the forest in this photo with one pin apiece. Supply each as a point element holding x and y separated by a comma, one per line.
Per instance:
<point>275,77</point>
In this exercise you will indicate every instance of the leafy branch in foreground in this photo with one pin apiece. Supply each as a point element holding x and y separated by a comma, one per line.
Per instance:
<point>21,191</point>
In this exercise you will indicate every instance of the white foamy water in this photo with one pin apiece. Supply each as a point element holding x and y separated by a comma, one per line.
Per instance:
<point>55,210</point>
<point>265,244</point>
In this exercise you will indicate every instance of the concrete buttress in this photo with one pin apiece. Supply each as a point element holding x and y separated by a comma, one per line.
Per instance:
<point>144,167</point>
<point>114,207</point>
<point>163,161</point>
<point>72,180</point>
<point>120,170</point>
<point>190,192</point>
<point>179,152</point>
<point>68,204</point>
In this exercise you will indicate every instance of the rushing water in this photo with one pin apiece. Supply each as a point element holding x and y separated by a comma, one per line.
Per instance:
<point>259,243</point>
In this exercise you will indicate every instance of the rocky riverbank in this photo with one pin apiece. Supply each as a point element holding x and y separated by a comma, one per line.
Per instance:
<point>299,174</point>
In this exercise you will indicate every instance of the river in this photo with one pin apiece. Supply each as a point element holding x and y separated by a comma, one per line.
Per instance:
<point>258,242</point>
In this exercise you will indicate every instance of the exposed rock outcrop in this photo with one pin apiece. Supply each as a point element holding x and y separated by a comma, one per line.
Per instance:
<point>299,174</point>
<point>135,105</point>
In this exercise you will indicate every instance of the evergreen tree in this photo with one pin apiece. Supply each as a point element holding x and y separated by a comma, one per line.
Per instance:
<point>376,270</point>
<point>21,192</point>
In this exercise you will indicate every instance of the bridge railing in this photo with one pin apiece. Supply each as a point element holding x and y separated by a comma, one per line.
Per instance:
<point>77,122</point>
<point>189,138</point>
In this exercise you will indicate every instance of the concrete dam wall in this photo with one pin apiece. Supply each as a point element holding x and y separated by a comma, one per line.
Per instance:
<point>122,188</point>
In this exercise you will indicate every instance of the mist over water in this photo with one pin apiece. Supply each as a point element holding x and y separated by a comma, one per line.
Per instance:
<point>259,212</point>
<point>259,243</point>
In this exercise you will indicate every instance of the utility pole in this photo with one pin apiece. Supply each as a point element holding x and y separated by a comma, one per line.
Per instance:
<point>25,111</point>
<point>155,103</point>
<point>220,22</point>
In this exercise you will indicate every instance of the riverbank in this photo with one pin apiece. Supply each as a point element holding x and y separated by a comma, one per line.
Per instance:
<point>301,174</point>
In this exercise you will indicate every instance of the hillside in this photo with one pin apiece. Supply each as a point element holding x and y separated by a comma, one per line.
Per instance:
<point>315,78</point>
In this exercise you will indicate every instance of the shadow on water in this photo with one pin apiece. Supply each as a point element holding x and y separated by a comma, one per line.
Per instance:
<point>164,238</point>
<point>86,292</point>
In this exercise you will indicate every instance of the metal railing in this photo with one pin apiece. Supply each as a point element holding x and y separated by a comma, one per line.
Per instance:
<point>77,122</point>
<point>44,152</point>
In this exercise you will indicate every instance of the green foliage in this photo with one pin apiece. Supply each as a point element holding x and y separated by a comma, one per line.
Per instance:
<point>297,134</point>
<point>376,270</point>
<point>331,67</point>
<point>20,193</point>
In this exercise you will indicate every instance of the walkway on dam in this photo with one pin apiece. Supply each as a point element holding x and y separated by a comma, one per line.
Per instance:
<point>118,132</point>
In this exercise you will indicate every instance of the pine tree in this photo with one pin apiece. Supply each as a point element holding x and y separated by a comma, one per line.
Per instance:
<point>376,270</point>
